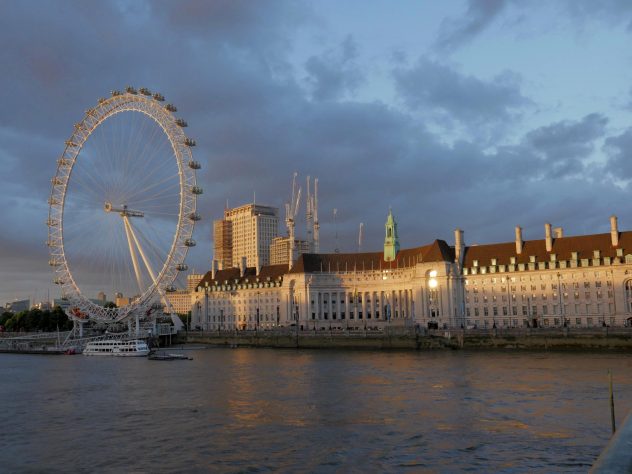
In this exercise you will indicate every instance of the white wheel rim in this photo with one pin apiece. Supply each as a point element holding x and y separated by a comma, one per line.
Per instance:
<point>81,306</point>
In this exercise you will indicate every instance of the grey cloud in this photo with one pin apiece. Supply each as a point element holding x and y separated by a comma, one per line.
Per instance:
<point>464,98</point>
<point>610,11</point>
<point>453,32</point>
<point>255,124</point>
<point>334,73</point>
<point>619,149</point>
<point>563,145</point>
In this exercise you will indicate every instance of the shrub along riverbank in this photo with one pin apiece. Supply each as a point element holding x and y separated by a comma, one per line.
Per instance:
<point>35,320</point>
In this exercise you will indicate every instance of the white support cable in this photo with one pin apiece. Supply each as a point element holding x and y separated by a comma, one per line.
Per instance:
<point>164,298</point>
<point>133,253</point>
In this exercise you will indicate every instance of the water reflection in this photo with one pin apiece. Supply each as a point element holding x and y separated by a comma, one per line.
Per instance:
<point>254,409</point>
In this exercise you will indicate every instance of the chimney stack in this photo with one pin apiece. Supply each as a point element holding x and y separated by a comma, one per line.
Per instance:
<point>614,231</point>
<point>458,246</point>
<point>548,237</point>
<point>558,232</point>
<point>214,268</point>
<point>518,239</point>
<point>242,266</point>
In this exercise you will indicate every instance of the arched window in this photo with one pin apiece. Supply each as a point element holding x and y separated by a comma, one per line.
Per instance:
<point>628,296</point>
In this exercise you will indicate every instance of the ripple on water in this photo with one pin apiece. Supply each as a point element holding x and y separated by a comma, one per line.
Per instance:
<point>250,410</point>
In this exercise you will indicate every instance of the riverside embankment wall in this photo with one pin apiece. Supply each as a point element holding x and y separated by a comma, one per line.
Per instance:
<point>602,339</point>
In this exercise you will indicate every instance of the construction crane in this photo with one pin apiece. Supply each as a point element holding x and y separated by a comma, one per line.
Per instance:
<point>291,210</point>
<point>360,237</point>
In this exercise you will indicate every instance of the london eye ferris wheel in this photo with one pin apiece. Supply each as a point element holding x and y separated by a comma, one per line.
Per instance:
<point>122,207</point>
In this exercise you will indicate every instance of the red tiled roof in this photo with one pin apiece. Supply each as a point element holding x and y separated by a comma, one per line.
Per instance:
<point>584,245</point>
<point>438,251</point>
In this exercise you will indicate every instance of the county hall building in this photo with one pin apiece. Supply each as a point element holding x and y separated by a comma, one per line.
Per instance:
<point>575,281</point>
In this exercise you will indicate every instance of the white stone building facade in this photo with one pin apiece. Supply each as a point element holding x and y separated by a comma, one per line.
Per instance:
<point>578,281</point>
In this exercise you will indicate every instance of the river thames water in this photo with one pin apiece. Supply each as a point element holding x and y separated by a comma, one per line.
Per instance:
<point>264,410</point>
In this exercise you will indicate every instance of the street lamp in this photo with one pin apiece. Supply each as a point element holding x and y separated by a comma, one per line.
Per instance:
<point>559,291</point>
<point>433,283</point>
<point>205,325</point>
<point>257,320</point>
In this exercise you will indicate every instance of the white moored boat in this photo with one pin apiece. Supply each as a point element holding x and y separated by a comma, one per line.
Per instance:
<point>114,347</point>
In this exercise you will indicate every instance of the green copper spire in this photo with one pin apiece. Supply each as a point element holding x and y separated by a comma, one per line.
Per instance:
<point>391,241</point>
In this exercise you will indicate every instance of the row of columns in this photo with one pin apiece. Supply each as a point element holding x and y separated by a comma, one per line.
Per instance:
<point>393,304</point>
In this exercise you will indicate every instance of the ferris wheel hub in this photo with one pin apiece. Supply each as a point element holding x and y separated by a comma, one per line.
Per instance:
<point>123,211</point>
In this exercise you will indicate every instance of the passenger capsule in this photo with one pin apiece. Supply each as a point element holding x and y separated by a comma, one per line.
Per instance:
<point>115,93</point>
<point>51,222</point>
<point>130,90</point>
<point>52,201</point>
<point>196,190</point>
<point>194,216</point>
<point>181,267</point>
<point>171,108</point>
<point>189,243</point>
<point>195,165</point>
<point>170,289</point>
<point>63,162</point>
<point>70,143</point>
<point>56,181</point>
<point>181,123</point>
<point>58,281</point>
<point>144,91</point>
<point>53,263</point>
<point>101,100</point>
<point>159,97</point>
<point>189,142</point>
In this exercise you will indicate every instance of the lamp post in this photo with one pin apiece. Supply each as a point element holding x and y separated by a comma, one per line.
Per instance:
<point>387,313</point>
<point>509,306</point>
<point>433,285</point>
<point>205,325</point>
<point>257,320</point>
<point>559,290</point>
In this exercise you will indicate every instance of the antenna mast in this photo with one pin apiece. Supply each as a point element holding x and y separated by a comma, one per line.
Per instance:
<point>316,236</point>
<point>336,249</point>
<point>309,217</point>
<point>360,237</point>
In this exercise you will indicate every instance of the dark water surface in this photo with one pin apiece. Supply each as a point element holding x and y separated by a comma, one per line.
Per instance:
<point>260,410</point>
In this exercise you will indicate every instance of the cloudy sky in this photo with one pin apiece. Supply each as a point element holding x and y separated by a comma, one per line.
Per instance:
<point>479,114</point>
